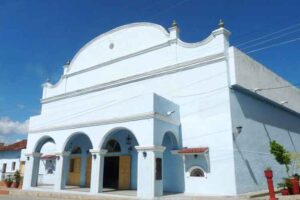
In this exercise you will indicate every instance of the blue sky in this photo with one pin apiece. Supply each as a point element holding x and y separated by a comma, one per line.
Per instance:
<point>38,36</point>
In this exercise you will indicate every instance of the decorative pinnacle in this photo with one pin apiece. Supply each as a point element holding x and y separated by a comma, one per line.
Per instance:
<point>221,24</point>
<point>174,24</point>
<point>68,62</point>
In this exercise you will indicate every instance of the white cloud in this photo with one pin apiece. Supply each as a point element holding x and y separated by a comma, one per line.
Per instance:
<point>7,126</point>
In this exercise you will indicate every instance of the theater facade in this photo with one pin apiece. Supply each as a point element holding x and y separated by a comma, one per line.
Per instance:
<point>138,109</point>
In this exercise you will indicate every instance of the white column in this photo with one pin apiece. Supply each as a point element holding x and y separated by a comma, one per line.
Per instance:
<point>31,170</point>
<point>60,170</point>
<point>147,185</point>
<point>97,170</point>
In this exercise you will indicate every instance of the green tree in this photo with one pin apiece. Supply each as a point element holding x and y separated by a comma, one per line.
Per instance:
<point>282,156</point>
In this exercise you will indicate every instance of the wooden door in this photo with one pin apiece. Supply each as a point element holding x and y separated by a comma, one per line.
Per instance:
<point>124,172</point>
<point>88,172</point>
<point>74,171</point>
<point>22,167</point>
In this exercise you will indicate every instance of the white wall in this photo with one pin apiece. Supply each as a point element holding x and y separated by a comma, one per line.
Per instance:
<point>191,76</point>
<point>8,158</point>
<point>249,74</point>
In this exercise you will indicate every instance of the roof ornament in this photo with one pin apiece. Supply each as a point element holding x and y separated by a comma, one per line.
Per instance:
<point>68,62</point>
<point>174,23</point>
<point>221,23</point>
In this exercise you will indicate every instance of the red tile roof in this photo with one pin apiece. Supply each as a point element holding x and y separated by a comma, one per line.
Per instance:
<point>14,147</point>
<point>193,150</point>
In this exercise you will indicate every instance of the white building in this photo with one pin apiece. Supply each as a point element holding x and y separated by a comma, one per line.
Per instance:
<point>139,109</point>
<point>12,158</point>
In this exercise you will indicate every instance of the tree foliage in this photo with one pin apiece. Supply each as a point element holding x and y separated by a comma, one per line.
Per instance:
<point>282,156</point>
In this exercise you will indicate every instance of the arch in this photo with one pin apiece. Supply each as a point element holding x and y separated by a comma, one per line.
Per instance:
<point>172,138</point>
<point>197,170</point>
<point>73,136</point>
<point>77,172</point>
<point>120,162</point>
<point>43,140</point>
<point>112,131</point>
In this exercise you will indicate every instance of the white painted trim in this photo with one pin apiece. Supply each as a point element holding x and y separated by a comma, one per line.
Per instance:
<point>139,77</point>
<point>98,151</point>
<point>150,148</point>
<point>33,154</point>
<point>137,117</point>
<point>64,153</point>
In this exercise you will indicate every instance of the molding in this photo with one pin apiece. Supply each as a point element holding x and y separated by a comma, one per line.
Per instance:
<point>33,154</point>
<point>98,151</point>
<point>63,154</point>
<point>150,148</point>
<point>143,116</point>
<point>139,77</point>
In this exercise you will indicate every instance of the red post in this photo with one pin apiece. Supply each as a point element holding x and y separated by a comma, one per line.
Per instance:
<point>269,176</point>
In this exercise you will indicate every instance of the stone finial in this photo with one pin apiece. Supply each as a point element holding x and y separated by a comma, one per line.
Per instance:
<point>221,23</point>
<point>174,23</point>
<point>68,62</point>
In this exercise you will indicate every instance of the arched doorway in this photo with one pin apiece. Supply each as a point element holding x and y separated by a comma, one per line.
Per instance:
<point>78,165</point>
<point>173,171</point>
<point>45,167</point>
<point>120,161</point>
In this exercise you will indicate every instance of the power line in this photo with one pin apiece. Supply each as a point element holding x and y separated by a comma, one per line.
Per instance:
<point>267,35</point>
<point>265,41</point>
<point>274,45</point>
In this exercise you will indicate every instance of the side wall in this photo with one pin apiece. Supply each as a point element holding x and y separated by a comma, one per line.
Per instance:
<point>9,157</point>
<point>261,122</point>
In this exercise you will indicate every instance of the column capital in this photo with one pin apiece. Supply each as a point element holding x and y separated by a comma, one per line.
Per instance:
<point>64,153</point>
<point>33,154</point>
<point>98,151</point>
<point>151,148</point>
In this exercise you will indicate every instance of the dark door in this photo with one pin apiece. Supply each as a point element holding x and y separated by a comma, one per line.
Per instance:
<point>111,172</point>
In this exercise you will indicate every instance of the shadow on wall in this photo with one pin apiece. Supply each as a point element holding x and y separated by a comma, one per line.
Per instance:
<point>262,122</point>
<point>267,114</point>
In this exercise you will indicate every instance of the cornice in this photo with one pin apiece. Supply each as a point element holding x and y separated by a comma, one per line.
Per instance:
<point>33,154</point>
<point>139,77</point>
<point>98,151</point>
<point>143,116</point>
<point>150,148</point>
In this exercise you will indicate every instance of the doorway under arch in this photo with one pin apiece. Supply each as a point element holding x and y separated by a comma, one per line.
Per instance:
<point>120,161</point>
<point>78,165</point>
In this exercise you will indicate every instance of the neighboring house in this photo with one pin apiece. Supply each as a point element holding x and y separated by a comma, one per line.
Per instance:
<point>11,159</point>
<point>139,109</point>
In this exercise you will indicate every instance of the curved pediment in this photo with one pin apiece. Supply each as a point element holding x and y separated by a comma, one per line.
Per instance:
<point>116,43</point>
